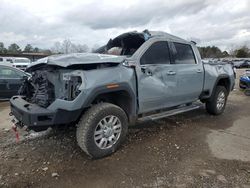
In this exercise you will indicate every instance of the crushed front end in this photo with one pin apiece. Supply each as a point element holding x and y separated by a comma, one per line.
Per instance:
<point>34,108</point>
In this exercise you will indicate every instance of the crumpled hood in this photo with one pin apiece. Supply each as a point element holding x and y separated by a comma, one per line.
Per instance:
<point>66,60</point>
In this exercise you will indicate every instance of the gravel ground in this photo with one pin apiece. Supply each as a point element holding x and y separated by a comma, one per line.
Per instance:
<point>188,150</point>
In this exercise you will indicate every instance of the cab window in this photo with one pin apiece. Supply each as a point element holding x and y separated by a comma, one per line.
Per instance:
<point>183,54</point>
<point>157,53</point>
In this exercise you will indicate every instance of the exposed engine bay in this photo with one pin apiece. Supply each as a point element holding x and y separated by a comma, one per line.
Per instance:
<point>48,83</point>
<point>38,89</point>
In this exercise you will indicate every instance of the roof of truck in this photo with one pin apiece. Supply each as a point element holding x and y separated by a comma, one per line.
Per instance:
<point>165,35</point>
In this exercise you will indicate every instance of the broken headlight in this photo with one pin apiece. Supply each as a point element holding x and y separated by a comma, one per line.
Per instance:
<point>72,87</point>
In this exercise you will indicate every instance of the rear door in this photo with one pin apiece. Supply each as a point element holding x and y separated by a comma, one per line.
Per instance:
<point>189,71</point>
<point>155,91</point>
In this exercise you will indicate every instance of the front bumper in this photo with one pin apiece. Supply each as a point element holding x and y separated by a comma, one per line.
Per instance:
<point>38,118</point>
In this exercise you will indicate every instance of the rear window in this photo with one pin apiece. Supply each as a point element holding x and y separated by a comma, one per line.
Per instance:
<point>183,54</point>
<point>1,59</point>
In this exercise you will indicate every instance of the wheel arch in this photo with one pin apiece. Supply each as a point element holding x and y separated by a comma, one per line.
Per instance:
<point>122,96</point>
<point>222,80</point>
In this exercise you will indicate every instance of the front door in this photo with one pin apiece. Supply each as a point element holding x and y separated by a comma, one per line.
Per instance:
<point>156,78</point>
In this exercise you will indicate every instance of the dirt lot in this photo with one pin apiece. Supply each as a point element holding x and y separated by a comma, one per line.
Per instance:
<point>189,150</point>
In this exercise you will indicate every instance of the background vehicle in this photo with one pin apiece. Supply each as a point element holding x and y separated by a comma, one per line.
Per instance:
<point>6,60</point>
<point>245,82</point>
<point>21,62</point>
<point>241,64</point>
<point>154,76</point>
<point>10,81</point>
<point>246,64</point>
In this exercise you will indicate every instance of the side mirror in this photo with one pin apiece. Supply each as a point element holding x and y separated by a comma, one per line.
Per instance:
<point>130,64</point>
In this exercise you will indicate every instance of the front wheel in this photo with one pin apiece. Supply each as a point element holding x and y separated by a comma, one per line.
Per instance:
<point>102,129</point>
<point>217,103</point>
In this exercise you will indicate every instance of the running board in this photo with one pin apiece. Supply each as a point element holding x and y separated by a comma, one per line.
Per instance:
<point>170,112</point>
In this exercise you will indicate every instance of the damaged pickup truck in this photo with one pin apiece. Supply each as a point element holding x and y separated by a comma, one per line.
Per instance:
<point>137,76</point>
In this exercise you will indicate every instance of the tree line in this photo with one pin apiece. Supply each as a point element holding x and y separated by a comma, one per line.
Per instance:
<point>67,46</point>
<point>215,52</point>
<point>63,47</point>
<point>16,49</point>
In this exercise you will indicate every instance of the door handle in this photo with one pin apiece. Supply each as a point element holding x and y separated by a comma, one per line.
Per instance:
<point>199,71</point>
<point>171,73</point>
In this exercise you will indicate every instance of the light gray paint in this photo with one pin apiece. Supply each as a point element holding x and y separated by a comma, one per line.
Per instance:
<point>156,91</point>
<point>92,80</point>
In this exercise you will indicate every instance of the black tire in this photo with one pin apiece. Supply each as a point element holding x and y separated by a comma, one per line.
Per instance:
<point>247,92</point>
<point>211,104</point>
<point>87,126</point>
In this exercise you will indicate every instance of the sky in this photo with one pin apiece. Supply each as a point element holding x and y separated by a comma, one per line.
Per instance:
<point>224,23</point>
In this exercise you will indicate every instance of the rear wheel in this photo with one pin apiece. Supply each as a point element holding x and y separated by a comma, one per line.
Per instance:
<point>217,103</point>
<point>102,129</point>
